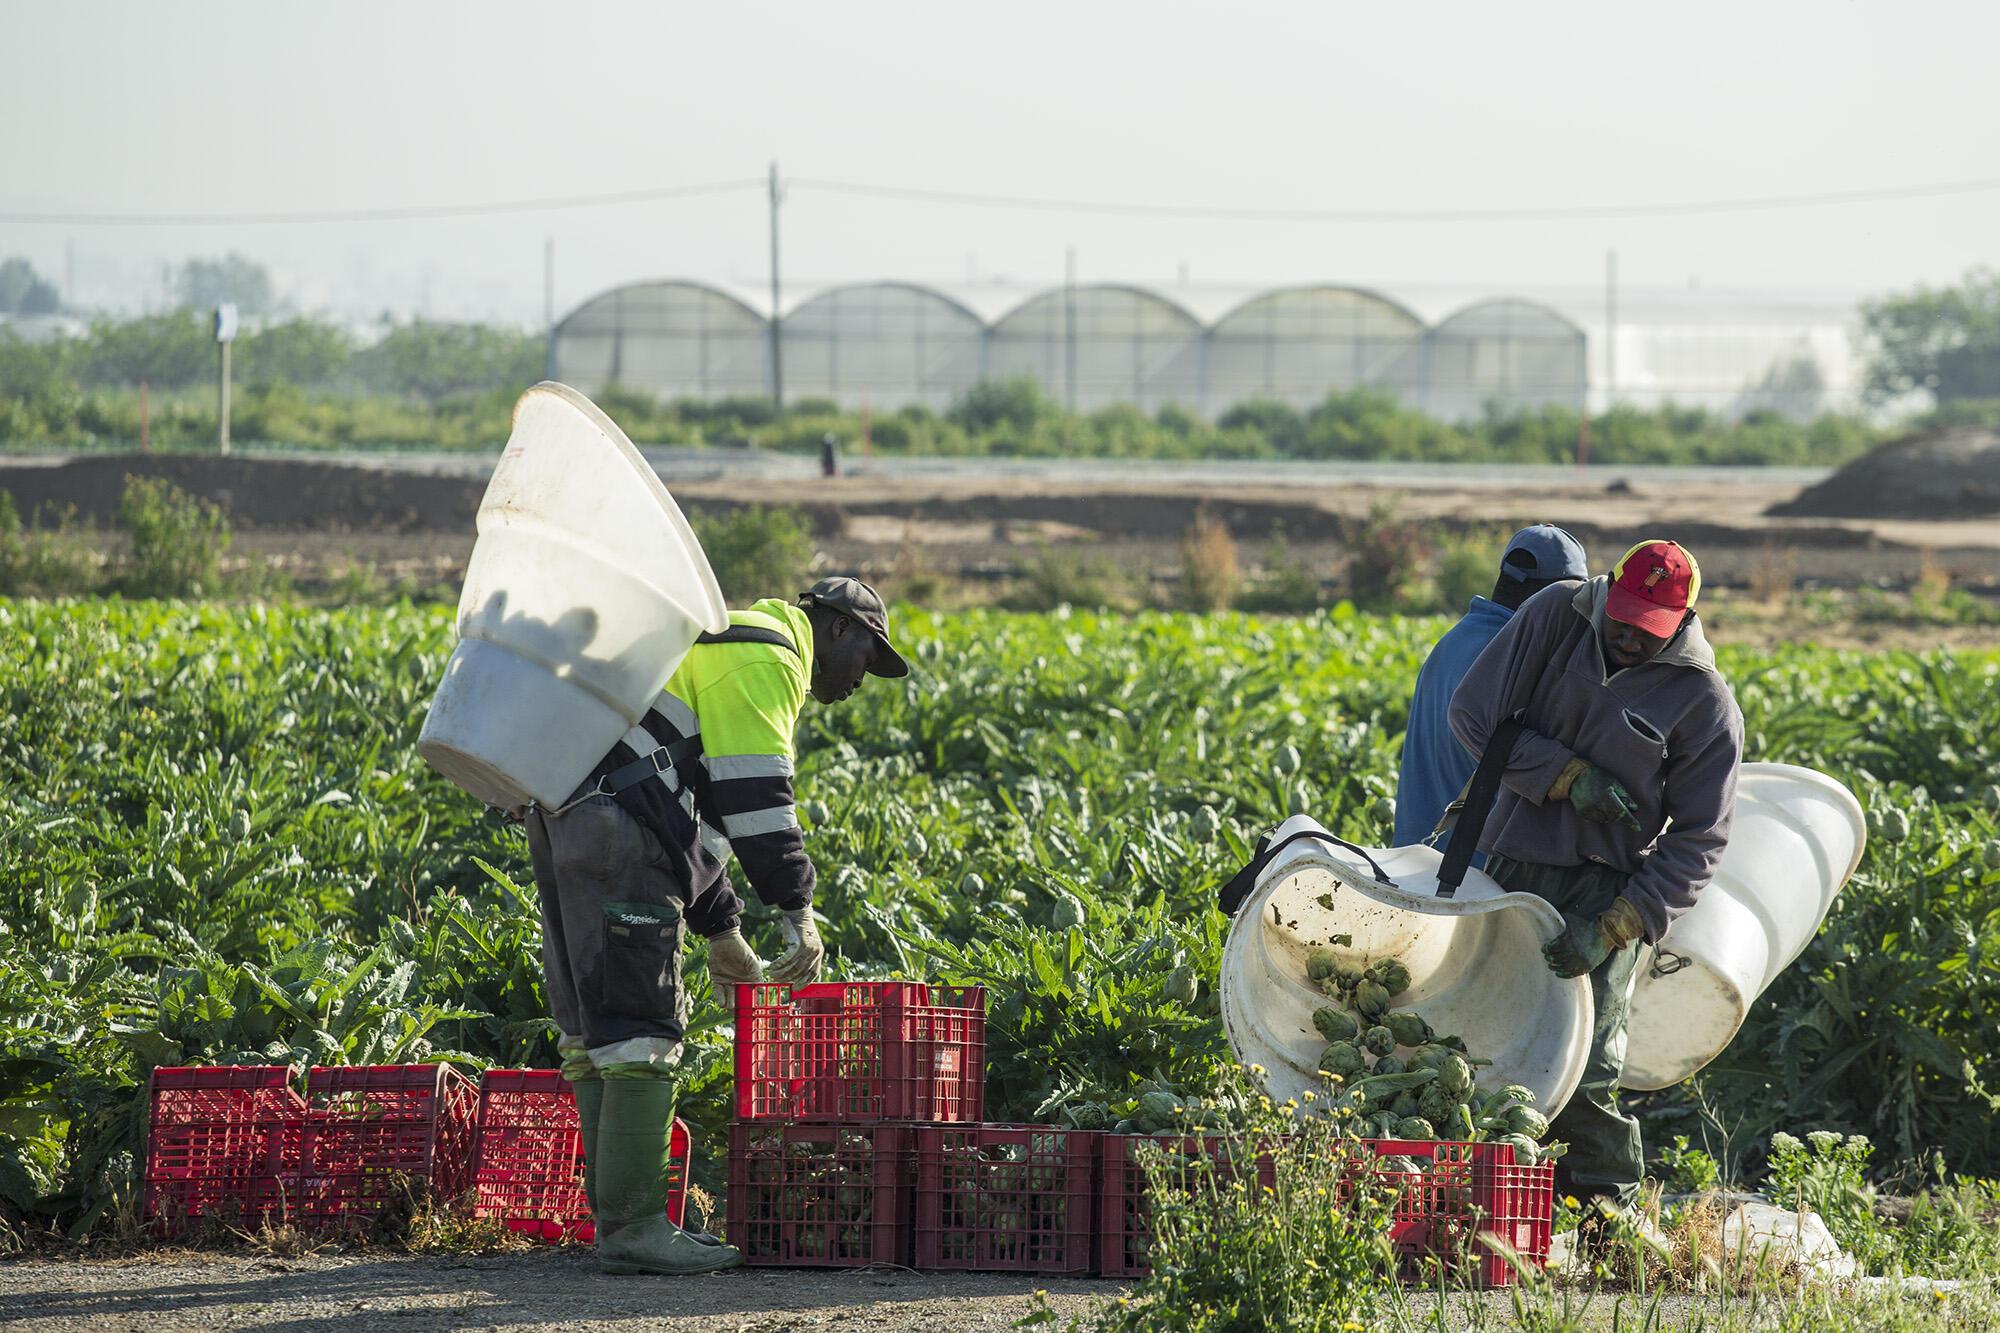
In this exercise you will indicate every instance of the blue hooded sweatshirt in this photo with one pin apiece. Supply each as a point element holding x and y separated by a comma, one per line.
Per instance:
<point>1435,766</point>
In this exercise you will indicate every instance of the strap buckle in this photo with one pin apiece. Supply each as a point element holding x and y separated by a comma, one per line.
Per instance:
<point>1680,963</point>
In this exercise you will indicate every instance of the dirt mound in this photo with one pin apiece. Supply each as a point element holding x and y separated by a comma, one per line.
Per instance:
<point>1949,472</point>
<point>294,494</point>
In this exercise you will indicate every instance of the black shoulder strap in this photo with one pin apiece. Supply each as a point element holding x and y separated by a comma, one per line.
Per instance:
<point>1231,895</point>
<point>1477,804</point>
<point>752,634</point>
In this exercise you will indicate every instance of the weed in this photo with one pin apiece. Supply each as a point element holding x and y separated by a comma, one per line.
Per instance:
<point>756,552</point>
<point>177,540</point>
<point>1209,577</point>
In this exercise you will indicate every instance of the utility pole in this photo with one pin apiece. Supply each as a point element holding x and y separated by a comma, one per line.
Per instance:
<point>1069,328</point>
<point>549,307</point>
<point>225,336</point>
<point>777,324</point>
<point>1610,329</point>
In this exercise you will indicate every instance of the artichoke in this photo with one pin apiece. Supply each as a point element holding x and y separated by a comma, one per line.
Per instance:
<point>1436,1105</point>
<point>1525,1151</point>
<point>1320,963</point>
<point>1068,912</point>
<point>1388,1064</point>
<point>1527,1120</point>
<point>1514,1092</point>
<point>1379,1040</point>
<point>1181,985</point>
<point>1159,1108</point>
<point>1336,1024</point>
<point>1343,1059</point>
<point>1372,1000</point>
<point>1428,1056</point>
<point>1455,1075</point>
<point>1410,1028</point>
<point>1415,1127</point>
<point>1348,975</point>
<point>1391,975</point>
<point>1405,1105</point>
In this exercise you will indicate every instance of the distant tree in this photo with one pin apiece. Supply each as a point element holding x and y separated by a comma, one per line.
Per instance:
<point>24,291</point>
<point>168,351</point>
<point>204,283</point>
<point>435,361</point>
<point>1944,340</point>
<point>1794,387</point>
<point>1278,422</point>
<point>301,351</point>
<point>1015,403</point>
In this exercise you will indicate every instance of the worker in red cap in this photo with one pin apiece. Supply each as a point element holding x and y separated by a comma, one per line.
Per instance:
<point>1615,801</point>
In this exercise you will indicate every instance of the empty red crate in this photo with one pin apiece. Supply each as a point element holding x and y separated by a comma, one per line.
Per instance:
<point>1006,1198</point>
<point>377,1135</point>
<point>529,1167</point>
<point>849,1052</point>
<point>821,1196</point>
<point>221,1142</point>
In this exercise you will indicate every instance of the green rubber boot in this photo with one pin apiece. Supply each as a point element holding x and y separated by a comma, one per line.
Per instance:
<point>633,1233</point>
<point>589,1090</point>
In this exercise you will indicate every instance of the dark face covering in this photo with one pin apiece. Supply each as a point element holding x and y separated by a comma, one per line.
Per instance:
<point>1510,593</point>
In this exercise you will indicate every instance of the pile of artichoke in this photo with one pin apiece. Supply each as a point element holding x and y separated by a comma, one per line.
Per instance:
<point>1399,1077</point>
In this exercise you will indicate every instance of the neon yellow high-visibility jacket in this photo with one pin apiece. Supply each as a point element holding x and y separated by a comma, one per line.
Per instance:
<point>725,721</point>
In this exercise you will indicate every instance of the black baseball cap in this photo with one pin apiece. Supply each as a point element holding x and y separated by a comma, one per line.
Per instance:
<point>857,601</point>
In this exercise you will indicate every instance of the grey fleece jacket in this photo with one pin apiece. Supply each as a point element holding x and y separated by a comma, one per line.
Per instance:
<point>1669,731</point>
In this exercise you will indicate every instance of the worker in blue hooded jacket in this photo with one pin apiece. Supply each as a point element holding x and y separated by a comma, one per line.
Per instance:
<point>1435,766</point>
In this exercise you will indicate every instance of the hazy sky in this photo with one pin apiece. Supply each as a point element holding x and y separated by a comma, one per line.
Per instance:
<point>241,107</point>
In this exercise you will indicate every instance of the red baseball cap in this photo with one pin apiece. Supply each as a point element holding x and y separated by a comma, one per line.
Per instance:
<point>1652,586</point>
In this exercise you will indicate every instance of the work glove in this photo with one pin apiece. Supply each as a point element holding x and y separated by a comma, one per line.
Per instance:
<point>1597,795</point>
<point>804,954</point>
<point>1587,941</point>
<point>732,962</point>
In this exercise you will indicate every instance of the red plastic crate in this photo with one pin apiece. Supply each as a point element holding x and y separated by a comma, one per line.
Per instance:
<point>848,1052</point>
<point>1469,1190</point>
<point>221,1142</point>
<point>528,1171</point>
<point>821,1196</point>
<point>1006,1198</point>
<point>375,1135</point>
<point>1124,1217</point>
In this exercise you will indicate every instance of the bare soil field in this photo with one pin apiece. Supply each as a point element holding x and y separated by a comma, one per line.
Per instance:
<point>312,516</point>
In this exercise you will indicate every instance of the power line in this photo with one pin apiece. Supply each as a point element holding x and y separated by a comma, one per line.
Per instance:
<point>1540,214</point>
<point>384,214</point>
<point>913,194</point>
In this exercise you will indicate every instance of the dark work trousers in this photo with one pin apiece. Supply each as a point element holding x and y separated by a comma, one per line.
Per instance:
<point>611,934</point>
<point>1605,1158</point>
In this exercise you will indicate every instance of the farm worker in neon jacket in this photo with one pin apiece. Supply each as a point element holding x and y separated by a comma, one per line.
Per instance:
<point>635,859</point>
<point>1435,766</point>
<point>1616,801</point>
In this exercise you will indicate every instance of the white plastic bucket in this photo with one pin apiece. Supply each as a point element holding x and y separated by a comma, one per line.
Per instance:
<point>585,590</point>
<point>1475,961</point>
<point>1795,841</point>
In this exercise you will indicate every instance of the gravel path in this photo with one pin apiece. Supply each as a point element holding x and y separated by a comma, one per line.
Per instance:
<point>557,1289</point>
<point>545,1290</point>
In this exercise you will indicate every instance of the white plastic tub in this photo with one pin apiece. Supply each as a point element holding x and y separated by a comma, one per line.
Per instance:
<point>1475,965</point>
<point>1795,841</point>
<point>585,590</point>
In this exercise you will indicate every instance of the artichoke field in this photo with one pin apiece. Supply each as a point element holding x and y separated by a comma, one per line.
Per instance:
<point>220,845</point>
